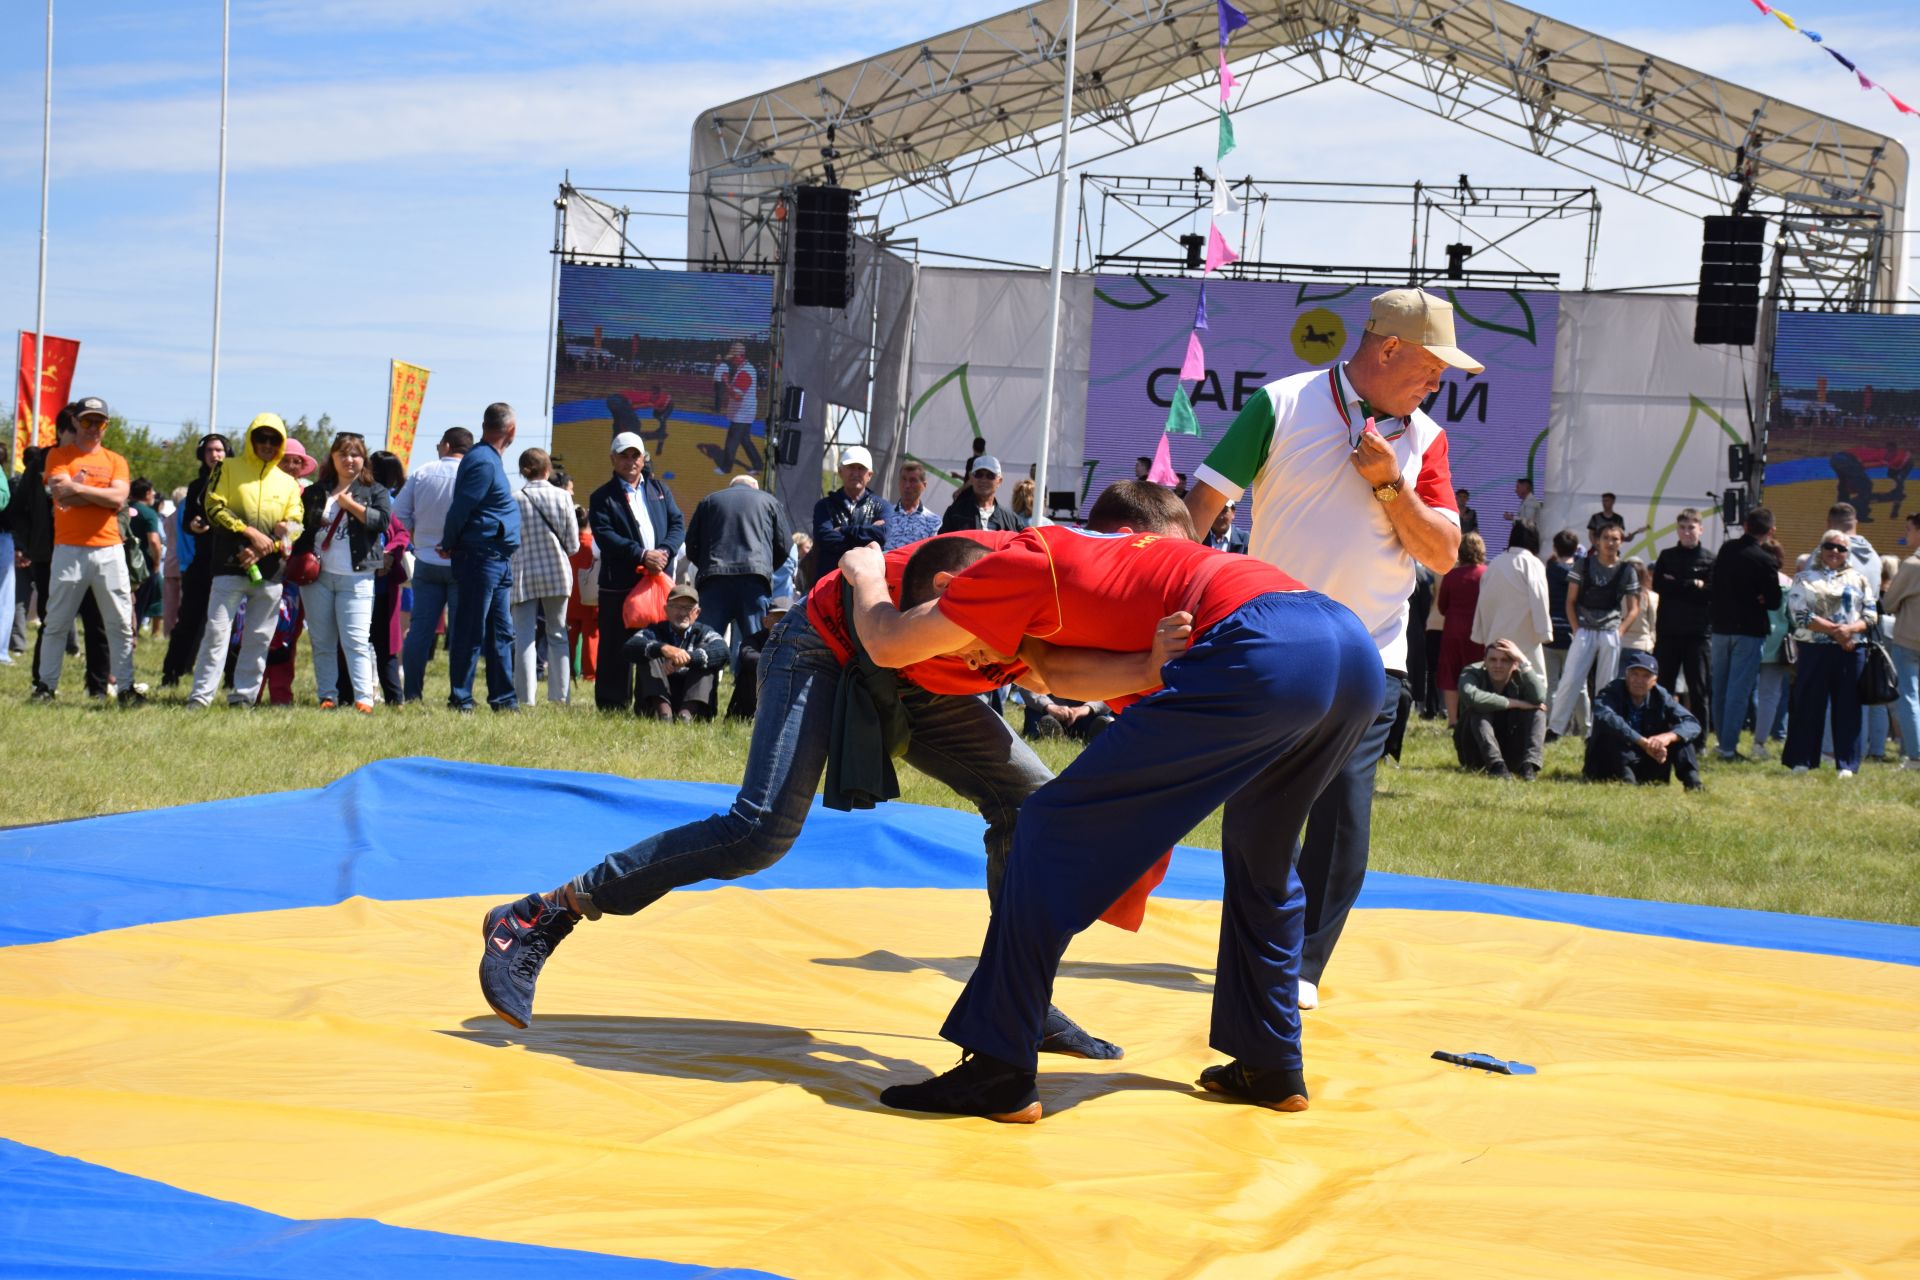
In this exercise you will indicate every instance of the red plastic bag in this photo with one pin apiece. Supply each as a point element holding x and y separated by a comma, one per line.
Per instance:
<point>646,604</point>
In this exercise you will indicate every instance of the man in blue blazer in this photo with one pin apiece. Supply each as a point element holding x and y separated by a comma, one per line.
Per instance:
<point>637,528</point>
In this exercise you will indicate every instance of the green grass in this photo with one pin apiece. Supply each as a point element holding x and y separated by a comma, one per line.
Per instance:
<point>1757,838</point>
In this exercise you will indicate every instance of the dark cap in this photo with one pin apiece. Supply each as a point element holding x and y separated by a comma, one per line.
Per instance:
<point>684,592</point>
<point>90,406</point>
<point>1641,658</point>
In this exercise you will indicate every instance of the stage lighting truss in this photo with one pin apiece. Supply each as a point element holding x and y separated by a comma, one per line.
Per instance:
<point>965,115</point>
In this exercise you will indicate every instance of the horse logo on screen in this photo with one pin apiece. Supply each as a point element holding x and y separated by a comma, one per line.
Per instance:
<point>1319,336</point>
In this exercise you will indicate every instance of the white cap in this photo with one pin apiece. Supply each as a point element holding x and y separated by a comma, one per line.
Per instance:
<point>856,456</point>
<point>628,440</point>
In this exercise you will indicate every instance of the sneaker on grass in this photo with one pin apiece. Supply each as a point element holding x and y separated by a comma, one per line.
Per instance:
<point>519,938</point>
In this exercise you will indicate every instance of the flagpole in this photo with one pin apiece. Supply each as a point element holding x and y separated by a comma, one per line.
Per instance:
<point>40,306</point>
<point>220,221</point>
<point>1059,245</point>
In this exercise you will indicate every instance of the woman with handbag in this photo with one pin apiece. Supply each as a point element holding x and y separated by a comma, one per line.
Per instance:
<point>542,579</point>
<point>343,529</point>
<point>1833,608</point>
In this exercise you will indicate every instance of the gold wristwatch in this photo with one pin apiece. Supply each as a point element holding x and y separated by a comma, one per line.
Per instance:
<point>1385,493</point>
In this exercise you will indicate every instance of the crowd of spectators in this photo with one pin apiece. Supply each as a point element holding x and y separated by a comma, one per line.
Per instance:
<point>1646,662</point>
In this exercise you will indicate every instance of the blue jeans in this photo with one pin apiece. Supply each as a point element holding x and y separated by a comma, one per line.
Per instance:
<point>1259,715</point>
<point>1736,670</point>
<point>1825,676</point>
<point>735,605</point>
<point>340,616</point>
<point>1771,708</point>
<point>1906,707</point>
<point>481,619</point>
<point>956,740</point>
<point>433,593</point>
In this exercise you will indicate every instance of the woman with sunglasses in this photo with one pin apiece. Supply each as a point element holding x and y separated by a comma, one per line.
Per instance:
<point>1832,606</point>
<point>344,524</point>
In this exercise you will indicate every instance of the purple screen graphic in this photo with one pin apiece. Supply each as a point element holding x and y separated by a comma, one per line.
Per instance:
<point>1258,331</point>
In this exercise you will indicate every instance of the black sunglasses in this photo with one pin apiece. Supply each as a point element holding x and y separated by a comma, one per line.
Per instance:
<point>1833,546</point>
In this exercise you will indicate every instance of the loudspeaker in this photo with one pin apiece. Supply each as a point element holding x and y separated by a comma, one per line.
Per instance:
<point>1738,459</point>
<point>787,446</point>
<point>822,247</point>
<point>793,404</point>
<point>1733,507</point>
<point>1728,308</point>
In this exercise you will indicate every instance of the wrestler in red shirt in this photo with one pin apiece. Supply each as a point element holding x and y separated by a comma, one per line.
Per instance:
<point>1258,714</point>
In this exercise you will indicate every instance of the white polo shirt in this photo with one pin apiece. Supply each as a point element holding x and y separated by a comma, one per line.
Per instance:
<point>1314,517</point>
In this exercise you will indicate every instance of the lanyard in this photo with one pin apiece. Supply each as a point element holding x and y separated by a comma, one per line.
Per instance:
<point>1338,388</point>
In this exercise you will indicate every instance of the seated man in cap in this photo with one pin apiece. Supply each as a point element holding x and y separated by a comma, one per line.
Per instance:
<point>680,660</point>
<point>1641,732</point>
<point>978,505</point>
<point>746,679</point>
<point>1503,714</point>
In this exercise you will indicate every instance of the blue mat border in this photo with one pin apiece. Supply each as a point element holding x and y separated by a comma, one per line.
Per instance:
<point>383,831</point>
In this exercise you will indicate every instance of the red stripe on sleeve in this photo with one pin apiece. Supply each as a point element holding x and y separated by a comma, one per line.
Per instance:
<point>1435,485</point>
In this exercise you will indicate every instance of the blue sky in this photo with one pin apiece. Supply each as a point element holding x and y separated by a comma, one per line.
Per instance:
<point>393,165</point>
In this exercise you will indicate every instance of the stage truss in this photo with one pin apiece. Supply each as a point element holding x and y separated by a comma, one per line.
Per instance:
<point>965,115</point>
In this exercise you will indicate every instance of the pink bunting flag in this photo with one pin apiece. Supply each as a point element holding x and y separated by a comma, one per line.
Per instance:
<point>1762,6</point>
<point>1899,106</point>
<point>1865,84</point>
<point>1218,255</point>
<point>1194,368</point>
<point>1226,77</point>
<point>1162,472</point>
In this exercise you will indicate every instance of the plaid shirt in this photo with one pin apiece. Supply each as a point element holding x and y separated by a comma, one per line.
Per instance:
<point>549,534</point>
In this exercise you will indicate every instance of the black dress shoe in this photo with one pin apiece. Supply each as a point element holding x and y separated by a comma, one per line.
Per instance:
<point>979,1086</point>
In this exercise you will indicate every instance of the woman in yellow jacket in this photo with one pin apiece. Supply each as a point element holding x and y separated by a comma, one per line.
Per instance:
<point>254,508</point>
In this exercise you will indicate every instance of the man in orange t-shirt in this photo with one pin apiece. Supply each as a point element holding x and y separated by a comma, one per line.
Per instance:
<point>88,483</point>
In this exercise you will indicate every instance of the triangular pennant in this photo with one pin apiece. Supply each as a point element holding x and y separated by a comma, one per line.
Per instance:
<point>1194,367</point>
<point>1811,35</point>
<point>1762,6</point>
<point>1223,199</point>
<point>1786,19</point>
<point>1161,471</point>
<point>1180,422</point>
<point>1218,255</point>
<point>1865,84</point>
<point>1842,60</point>
<point>1231,20</point>
<point>1226,78</point>
<point>1200,309</point>
<point>1226,135</point>
<point>1898,105</point>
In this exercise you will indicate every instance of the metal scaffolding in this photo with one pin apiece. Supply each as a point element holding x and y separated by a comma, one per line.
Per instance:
<point>973,112</point>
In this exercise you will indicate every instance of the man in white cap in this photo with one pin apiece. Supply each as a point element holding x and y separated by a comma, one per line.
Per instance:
<point>1351,488</point>
<point>978,505</point>
<point>851,516</point>
<point>637,529</point>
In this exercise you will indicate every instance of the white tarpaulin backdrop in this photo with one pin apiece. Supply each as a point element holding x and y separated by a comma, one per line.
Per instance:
<point>979,368</point>
<point>1640,412</point>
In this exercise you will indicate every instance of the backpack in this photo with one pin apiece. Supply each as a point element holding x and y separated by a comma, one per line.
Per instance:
<point>138,570</point>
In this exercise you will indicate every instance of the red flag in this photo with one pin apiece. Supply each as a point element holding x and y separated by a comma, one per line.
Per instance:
<point>55,372</point>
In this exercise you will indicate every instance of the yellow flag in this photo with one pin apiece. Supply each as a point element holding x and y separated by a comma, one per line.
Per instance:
<point>1786,18</point>
<point>406,389</point>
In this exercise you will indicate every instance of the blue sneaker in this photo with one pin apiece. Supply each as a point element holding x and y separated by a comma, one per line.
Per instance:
<point>519,938</point>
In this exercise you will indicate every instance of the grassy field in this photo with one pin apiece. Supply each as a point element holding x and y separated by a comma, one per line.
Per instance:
<point>1757,838</point>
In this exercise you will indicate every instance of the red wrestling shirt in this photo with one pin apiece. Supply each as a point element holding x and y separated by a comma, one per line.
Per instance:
<point>1106,591</point>
<point>826,610</point>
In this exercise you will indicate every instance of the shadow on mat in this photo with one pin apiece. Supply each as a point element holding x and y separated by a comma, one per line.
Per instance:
<point>838,1073</point>
<point>1171,976</point>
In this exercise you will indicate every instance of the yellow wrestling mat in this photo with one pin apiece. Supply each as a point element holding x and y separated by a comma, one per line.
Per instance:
<point>699,1088</point>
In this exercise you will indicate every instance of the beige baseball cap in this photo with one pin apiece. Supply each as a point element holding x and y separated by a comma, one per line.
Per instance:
<point>1416,316</point>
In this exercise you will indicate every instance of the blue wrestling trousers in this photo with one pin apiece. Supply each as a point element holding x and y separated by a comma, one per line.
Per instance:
<point>1259,714</point>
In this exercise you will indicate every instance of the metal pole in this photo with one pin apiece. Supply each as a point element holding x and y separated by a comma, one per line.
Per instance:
<point>40,307</point>
<point>220,223</point>
<point>1059,242</point>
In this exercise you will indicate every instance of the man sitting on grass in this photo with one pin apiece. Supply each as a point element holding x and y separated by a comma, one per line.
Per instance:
<point>1503,714</point>
<point>1641,732</point>
<point>680,660</point>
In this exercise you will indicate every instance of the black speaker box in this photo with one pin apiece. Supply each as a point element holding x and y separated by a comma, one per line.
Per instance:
<point>822,247</point>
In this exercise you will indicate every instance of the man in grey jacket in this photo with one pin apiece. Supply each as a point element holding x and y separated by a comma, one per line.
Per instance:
<point>736,538</point>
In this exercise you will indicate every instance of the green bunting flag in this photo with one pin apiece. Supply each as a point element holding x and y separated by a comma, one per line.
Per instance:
<point>1226,135</point>
<point>1180,419</point>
